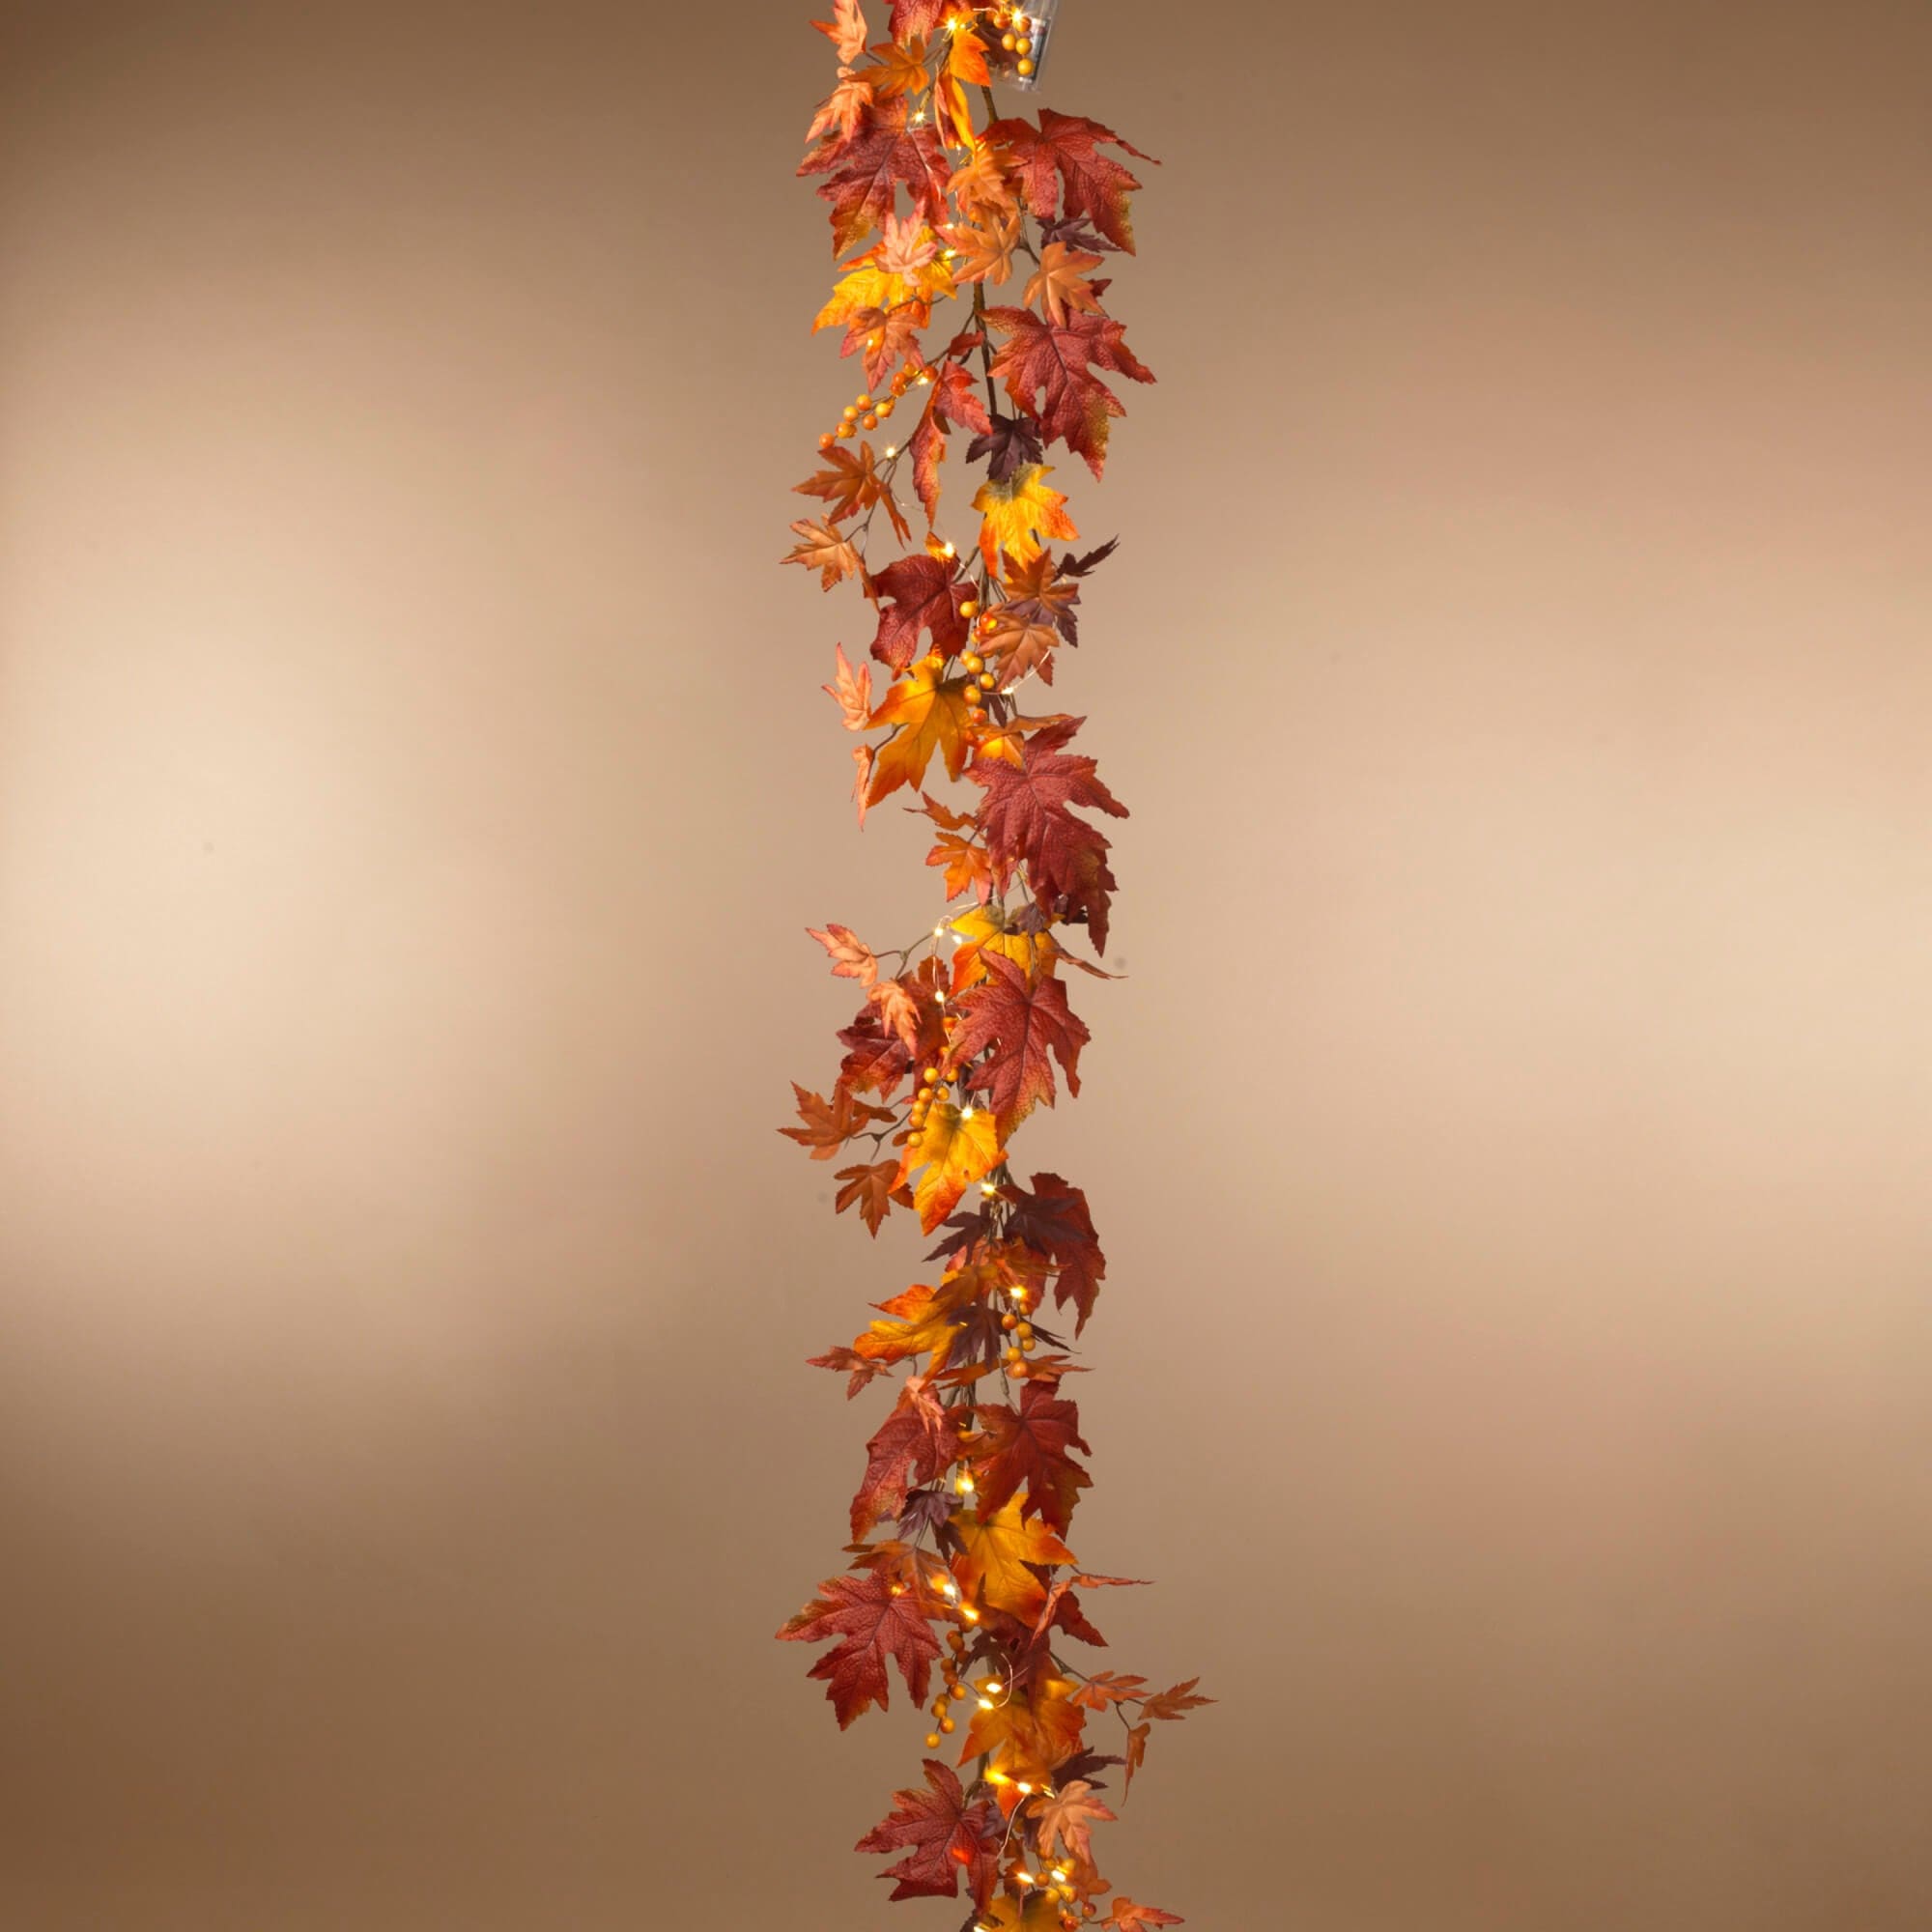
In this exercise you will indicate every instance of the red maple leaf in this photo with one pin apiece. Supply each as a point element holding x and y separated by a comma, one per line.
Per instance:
<point>946,1838</point>
<point>1028,821</point>
<point>1033,1445</point>
<point>912,17</point>
<point>955,400</point>
<point>913,1446</point>
<point>871,1187</point>
<point>866,173</point>
<point>873,1619</point>
<point>920,594</point>
<point>1047,368</point>
<point>1023,1028</point>
<point>1054,1221</point>
<point>1091,183</point>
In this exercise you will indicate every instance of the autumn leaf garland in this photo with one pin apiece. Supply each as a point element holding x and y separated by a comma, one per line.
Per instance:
<point>961,1582</point>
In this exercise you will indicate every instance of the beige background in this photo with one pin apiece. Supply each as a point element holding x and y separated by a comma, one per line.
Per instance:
<point>1509,1139</point>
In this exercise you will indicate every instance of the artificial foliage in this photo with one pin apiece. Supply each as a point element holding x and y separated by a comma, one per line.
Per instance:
<point>969,295</point>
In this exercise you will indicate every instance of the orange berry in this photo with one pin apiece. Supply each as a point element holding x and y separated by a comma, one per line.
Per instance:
<point>846,430</point>
<point>886,408</point>
<point>868,421</point>
<point>947,1725</point>
<point>969,609</point>
<point>973,661</point>
<point>850,413</point>
<point>1025,68</point>
<point>864,401</point>
<point>933,1740</point>
<point>988,680</point>
<point>1010,41</point>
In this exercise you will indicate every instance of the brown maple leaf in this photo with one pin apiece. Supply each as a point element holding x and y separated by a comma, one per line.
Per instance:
<point>914,1444</point>
<point>1022,1026</point>
<point>1030,1447</point>
<point>830,1125</point>
<point>946,1838</point>
<point>874,1621</point>
<point>1048,370</point>
<point>866,171</point>
<point>1088,183</point>
<point>1028,820</point>
<point>871,1187</point>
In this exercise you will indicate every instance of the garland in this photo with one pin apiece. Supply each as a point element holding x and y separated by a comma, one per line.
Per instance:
<point>973,1591</point>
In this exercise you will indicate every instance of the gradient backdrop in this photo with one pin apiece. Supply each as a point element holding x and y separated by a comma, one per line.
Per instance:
<point>1511,1135</point>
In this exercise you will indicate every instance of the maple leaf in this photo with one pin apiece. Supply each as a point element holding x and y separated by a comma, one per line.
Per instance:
<point>912,17</point>
<point>1089,182</point>
<point>862,779</point>
<point>1037,1912</point>
<point>1173,1705</point>
<point>1064,1608</point>
<point>852,484</point>
<point>957,397</point>
<point>1019,511</point>
<point>1024,1026</point>
<point>1067,1817</point>
<point>1021,645</point>
<point>956,1148</point>
<point>1030,1445</point>
<point>913,1446</point>
<point>1055,1220</point>
<point>871,1187</point>
<point>844,107</point>
<point>966,866</point>
<point>877,1061</point>
<point>946,1839</point>
<point>1105,1688</point>
<point>848,1361</point>
<point>907,247</point>
<point>874,1620</point>
<point>991,929</point>
<point>910,1009</point>
<point>865,172</point>
<point>1028,820</point>
<point>1047,368</point>
<point>984,250</point>
<point>924,1321</point>
<point>1010,441</point>
<point>931,717</point>
<point>980,184</point>
<point>823,550</point>
<point>996,1554</point>
<point>1137,1743</point>
<point>1059,281</point>
<point>1031,1734</point>
<point>830,1125</point>
<point>1127,1917</point>
<point>852,692</point>
<point>845,30</point>
<point>920,594</point>
<point>851,957</point>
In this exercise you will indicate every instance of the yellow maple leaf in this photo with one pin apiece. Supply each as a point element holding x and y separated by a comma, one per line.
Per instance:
<point>956,1148</point>
<point>1038,1914</point>
<point>984,930</point>
<point>1018,513</point>
<point>923,1319</point>
<point>1030,1734</point>
<point>997,1552</point>
<point>931,717</point>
